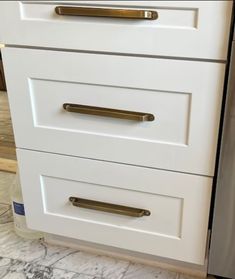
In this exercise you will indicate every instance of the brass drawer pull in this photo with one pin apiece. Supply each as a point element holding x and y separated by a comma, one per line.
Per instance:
<point>109,207</point>
<point>111,13</point>
<point>107,112</point>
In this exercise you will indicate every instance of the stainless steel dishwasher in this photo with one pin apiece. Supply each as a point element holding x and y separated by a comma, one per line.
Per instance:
<point>222,249</point>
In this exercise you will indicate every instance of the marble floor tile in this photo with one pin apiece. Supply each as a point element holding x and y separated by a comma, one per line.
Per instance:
<point>40,253</point>
<point>86,263</point>
<point>15,247</point>
<point>36,251</point>
<point>15,269</point>
<point>80,264</point>
<point>53,254</point>
<point>138,271</point>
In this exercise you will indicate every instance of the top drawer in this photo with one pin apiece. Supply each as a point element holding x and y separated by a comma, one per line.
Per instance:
<point>197,29</point>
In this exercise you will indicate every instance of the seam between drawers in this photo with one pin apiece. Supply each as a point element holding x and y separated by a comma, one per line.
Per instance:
<point>117,54</point>
<point>114,162</point>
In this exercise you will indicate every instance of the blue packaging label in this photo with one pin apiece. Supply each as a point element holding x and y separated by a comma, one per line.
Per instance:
<point>18,208</point>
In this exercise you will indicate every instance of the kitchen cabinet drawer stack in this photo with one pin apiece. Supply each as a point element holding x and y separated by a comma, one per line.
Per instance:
<point>120,111</point>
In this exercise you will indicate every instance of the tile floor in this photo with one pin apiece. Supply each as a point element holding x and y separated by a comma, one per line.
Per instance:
<point>34,259</point>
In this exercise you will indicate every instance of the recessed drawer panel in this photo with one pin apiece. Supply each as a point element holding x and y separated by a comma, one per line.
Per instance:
<point>164,213</point>
<point>150,112</point>
<point>198,29</point>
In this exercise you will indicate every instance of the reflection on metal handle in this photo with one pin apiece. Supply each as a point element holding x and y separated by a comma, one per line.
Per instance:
<point>107,112</point>
<point>112,13</point>
<point>109,207</point>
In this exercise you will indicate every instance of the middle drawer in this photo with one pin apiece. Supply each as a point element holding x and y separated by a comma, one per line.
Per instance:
<point>183,96</point>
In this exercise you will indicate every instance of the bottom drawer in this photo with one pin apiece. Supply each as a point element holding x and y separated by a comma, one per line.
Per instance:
<point>178,204</point>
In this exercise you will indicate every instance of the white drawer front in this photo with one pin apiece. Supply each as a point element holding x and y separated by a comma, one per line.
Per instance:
<point>179,204</point>
<point>184,97</point>
<point>197,29</point>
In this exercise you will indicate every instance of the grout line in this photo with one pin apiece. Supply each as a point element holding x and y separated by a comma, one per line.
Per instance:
<point>74,252</point>
<point>124,273</point>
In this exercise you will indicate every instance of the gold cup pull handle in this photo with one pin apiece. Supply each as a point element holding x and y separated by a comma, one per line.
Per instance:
<point>104,12</point>
<point>109,207</point>
<point>107,112</point>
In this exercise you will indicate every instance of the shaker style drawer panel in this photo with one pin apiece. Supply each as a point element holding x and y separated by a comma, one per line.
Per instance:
<point>149,112</point>
<point>164,213</point>
<point>197,29</point>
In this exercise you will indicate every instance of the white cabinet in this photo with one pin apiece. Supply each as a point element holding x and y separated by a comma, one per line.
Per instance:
<point>120,114</point>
